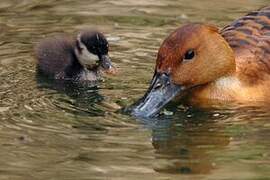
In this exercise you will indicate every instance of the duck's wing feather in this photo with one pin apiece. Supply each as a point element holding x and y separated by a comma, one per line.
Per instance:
<point>249,30</point>
<point>249,37</point>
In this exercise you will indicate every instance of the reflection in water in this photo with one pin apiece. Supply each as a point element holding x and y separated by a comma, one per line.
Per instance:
<point>55,131</point>
<point>182,145</point>
<point>82,96</point>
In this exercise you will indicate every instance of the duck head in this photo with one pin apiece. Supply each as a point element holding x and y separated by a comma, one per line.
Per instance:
<point>91,50</point>
<point>191,56</point>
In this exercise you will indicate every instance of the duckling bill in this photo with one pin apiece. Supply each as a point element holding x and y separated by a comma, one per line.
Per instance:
<point>203,64</point>
<point>78,59</point>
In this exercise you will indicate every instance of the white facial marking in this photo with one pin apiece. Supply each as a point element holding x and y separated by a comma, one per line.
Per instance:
<point>85,57</point>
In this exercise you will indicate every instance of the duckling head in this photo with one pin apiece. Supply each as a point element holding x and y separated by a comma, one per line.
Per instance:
<point>92,51</point>
<point>191,56</point>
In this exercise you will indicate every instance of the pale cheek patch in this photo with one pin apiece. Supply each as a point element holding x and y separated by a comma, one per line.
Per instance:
<point>86,58</point>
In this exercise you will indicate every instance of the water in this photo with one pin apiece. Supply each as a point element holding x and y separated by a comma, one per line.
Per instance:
<point>65,132</point>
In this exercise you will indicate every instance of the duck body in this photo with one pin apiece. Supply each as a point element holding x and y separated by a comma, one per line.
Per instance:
<point>204,65</point>
<point>249,38</point>
<point>66,58</point>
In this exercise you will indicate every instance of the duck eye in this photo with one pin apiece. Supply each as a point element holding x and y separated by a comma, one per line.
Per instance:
<point>189,55</point>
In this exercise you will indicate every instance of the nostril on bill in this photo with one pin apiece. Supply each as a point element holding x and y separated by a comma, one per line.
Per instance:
<point>158,85</point>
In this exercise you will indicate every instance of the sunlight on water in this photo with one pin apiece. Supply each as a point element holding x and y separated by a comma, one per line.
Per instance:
<point>56,131</point>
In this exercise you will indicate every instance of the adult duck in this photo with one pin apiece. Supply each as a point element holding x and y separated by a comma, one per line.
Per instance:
<point>205,65</point>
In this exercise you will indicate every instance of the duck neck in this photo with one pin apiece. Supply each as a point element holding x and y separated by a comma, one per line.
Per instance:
<point>224,88</point>
<point>229,82</point>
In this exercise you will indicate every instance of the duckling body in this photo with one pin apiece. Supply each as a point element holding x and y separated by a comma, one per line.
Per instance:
<point>81,59</point>
<point>56,57</point>
<point>203,65</point>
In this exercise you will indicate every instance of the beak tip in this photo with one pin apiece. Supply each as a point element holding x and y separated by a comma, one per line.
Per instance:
<point>107,65</point>
<point>111,70</point>
<point>142,111</point>
<point>161,92</point>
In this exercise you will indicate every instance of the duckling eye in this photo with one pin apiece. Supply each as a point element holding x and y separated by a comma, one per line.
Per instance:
<point>189,54</point>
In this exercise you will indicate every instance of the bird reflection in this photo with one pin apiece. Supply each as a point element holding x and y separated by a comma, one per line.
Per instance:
<point>81,98</point>
<point>184,145</point>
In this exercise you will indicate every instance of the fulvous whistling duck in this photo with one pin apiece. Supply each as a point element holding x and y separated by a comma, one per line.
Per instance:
<point>203,64</point>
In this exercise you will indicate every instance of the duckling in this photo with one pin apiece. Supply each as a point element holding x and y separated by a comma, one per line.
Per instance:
<point>203,65</point>
<point>79,59</point>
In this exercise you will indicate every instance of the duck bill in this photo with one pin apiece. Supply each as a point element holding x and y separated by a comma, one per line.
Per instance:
<point>161,91</point>
<point>106,64</point>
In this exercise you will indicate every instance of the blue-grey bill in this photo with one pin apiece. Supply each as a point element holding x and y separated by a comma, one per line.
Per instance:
<point>106,62</point>
<point>161,91</point>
